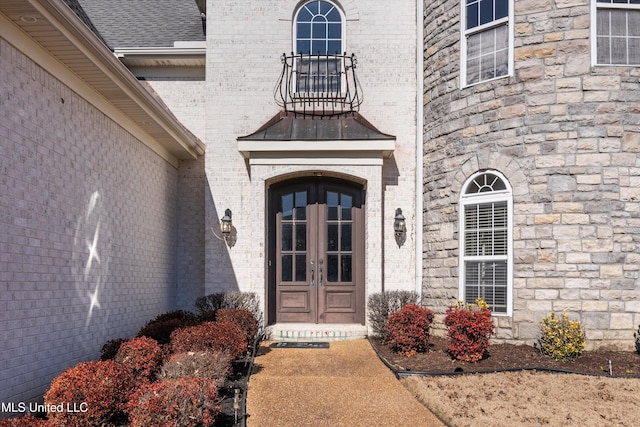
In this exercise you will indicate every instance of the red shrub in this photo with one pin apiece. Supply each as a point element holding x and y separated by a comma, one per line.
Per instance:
<point>25,421</point>
<point>409,329</point>
<point>142,355</point>
<point>223,336</point>
<point>207,316</point>
<point>99,389</point>
<point>206,364</point>
<point>470,327</point>
<point>181,402</point>
<point>110,348</point>
<point>161,331</point>
<point>241,316</point>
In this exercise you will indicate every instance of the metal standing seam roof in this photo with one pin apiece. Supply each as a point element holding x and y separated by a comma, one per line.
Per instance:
<point>145,23</point>
<point>290,127</point>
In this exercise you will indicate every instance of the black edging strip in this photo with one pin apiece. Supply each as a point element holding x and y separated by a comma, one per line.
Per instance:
<point>403,373</point>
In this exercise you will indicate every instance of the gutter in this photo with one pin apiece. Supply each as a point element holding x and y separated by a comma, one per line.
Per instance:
<point>419,143</point>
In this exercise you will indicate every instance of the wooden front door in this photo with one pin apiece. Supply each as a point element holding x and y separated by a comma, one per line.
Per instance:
<point>316,259</point>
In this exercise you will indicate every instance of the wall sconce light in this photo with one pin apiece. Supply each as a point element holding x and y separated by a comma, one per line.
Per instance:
<point>400,227</point>
<point>226,227</point>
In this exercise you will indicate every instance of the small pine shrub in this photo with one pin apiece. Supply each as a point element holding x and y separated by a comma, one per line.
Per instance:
<point>381,305</point>
<point>182,402</point>
<point>469,328</point>
<point>215,365</point>
<point>242,317</point>
<point>142,355</point>
<point>110,349</point>
<point>222,336</point>
<point>25,421</point>
<point>561,338</point>
<point>409,329</point>
<point>185,316</point>
<point>100,387</point>
<point>637,338</point>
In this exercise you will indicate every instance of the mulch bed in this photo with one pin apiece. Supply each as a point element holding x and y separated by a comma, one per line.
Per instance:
<point>504,357</point>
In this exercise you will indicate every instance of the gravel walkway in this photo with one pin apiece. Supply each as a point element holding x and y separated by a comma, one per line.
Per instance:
<point>345,385</point>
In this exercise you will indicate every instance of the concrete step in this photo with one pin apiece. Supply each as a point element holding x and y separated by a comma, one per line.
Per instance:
<point>311,332</point>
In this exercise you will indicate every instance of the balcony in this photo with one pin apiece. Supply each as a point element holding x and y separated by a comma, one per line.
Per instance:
<point>318,85</point>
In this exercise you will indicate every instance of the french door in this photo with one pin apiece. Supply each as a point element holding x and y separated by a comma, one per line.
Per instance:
<point>316,259</point>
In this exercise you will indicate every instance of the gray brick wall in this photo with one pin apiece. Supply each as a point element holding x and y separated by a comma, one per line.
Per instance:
<point>567,136</point>
<point>88,229</point>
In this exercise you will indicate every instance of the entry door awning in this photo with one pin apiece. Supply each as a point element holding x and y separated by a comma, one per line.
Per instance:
<point>306,139</point>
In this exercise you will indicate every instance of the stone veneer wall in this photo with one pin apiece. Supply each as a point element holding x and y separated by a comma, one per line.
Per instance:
<point>88,229</point>
<point>567,137</point>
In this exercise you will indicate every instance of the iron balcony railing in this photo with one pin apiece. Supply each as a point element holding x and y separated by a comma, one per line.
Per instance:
<point>318,85</point>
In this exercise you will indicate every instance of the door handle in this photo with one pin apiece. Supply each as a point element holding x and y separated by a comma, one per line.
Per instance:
<point>313,273</point>
<point>320,261</point>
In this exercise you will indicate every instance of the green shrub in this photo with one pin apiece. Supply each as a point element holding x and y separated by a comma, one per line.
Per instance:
<point>381,305</point>
<point>181,402</point>
<point>99,389</point>
<point>469,328</point>
<point>561,338</point>
<point>220,335</point>
<point>214,364</point>
<point>143,355</point>
<point>409,329</point>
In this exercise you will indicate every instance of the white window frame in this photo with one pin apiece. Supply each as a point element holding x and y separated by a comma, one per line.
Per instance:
<point>464,34</point>
<point>476,199</point>
<point>340,64</point>
<point>595,6</point>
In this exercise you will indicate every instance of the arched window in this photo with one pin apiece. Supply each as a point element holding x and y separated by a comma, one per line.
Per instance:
<point>318,29</point>
<point>319,44</point>
<point>486,266</point>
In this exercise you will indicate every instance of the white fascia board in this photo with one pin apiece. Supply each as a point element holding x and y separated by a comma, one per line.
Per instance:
<point>122,52</point>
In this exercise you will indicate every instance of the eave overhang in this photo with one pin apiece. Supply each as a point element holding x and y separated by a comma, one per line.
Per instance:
<point>51,34</point>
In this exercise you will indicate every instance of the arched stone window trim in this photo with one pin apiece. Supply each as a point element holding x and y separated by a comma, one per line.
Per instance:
<point>486,241</point>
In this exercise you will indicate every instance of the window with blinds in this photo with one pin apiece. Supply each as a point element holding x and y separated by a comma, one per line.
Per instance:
<point>485,235</point>
<point>617,32</point>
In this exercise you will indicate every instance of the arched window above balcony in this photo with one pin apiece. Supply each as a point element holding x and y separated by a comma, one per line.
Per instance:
<point>318,29</point>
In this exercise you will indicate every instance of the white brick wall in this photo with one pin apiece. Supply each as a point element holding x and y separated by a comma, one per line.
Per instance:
<point>85,210</point>
<point>245,41</point>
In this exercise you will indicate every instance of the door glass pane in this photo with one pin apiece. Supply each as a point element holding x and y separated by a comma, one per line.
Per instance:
<point>287,206</point>
<point>287,237</point>
<point>332,237</point>
<point>345,241</point>
<point>301,237</point>
<point>346,204</point>
<point>301,205</point>
<point>287,268</point>
<point>332,268</point>
<point>301,268</point>
<point>345,268</point>
<point>332,205</point>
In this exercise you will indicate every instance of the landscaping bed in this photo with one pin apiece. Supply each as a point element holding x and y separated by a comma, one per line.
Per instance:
<point>505,357</point>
